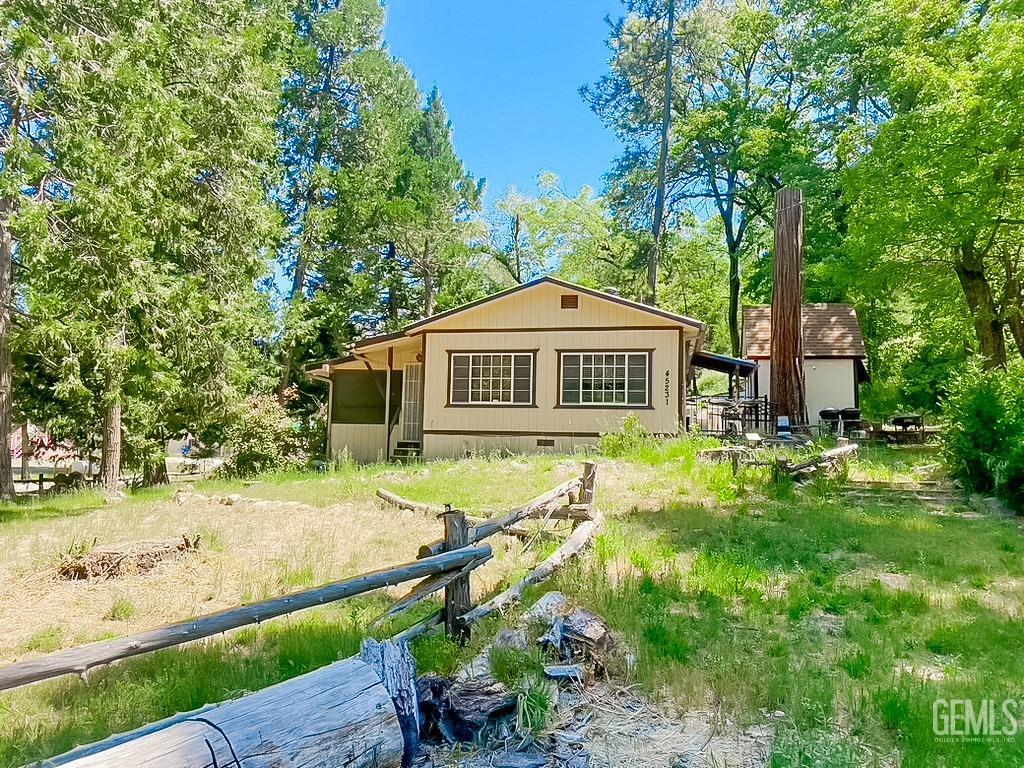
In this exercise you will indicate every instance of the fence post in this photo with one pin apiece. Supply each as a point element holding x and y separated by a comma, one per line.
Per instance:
<point>40,485</point>
<point>589,480</point>
<point>456,594</point>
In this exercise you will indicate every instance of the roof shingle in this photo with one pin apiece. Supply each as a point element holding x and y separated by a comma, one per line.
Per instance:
<point>829,330</point>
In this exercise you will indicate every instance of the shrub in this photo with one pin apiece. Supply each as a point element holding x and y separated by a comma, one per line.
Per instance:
<point>983,429</point>
<point>629,439</point>
<point>261,437</point>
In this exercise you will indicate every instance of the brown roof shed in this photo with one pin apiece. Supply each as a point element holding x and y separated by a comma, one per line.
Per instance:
<point>829,330</point>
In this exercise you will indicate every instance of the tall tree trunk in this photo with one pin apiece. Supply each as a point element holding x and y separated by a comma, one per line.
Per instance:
<point>734,299</point>
<point>6,383</point>
<point>787,355</point>
<point>298,291</point>
<point>988,325</point>
<point>393,307</point>
<point>658,219</point>
<point>429,289</point>
<point>1013,302</point>
<point>110,469</point>
<point>516,232</point>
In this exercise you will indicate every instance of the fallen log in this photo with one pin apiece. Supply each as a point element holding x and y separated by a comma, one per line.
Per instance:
<point>573,545</point>
<point>536,507</point>
<point>413,506</point>
<point>80,660</point>
<point>826,460</point>
<point>416,506</point>
<point>114,560</point>
<point>338,715</point>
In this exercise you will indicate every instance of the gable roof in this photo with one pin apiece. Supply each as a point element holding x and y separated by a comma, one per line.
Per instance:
<point>547,279</point>
<point>829,330</point>
<point>421,325</point>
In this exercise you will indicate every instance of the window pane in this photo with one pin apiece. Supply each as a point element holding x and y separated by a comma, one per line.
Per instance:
<point>492,378</point>
<point>638,379</point>
<point>460,378</point>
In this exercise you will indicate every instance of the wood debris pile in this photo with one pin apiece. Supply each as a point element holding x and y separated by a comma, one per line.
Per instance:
<point>474,720</point>
<point>115,560</point>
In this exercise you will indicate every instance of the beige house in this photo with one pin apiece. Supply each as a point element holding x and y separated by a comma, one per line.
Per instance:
<point>835,359</point>
<point>545,366</point>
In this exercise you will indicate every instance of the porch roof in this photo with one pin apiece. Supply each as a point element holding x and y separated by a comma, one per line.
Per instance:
<point>724,364</point>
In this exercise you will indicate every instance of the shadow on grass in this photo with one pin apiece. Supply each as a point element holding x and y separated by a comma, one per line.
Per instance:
<point>69,505</point>
<point>50,718</point>
<point>829,536</point>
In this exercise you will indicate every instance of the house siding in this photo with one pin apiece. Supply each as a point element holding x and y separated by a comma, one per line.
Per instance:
<point>535,321</point>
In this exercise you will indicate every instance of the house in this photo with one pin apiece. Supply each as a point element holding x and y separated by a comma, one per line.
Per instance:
<point>543,366</point>
<point>835,359</point>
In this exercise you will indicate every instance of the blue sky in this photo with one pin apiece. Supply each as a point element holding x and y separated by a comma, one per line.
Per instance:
<point>509,75</point>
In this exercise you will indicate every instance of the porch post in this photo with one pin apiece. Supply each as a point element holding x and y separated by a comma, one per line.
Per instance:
<point>330,413</point>
<point>387,405</point>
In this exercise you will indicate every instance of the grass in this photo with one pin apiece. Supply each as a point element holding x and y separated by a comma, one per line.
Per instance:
<point>844,621</point>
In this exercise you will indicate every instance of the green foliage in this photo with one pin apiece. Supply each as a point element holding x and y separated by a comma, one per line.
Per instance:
<point>122,609</point>
<point>512,666</point>
<point>983,429</point>
<point>629,439</point>
<point>535,704</point>
<point>261,437</point>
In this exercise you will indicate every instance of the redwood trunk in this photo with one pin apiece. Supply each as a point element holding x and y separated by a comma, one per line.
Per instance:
<point>787,374</point>
<point>988,325</point>
<point>6,383</point>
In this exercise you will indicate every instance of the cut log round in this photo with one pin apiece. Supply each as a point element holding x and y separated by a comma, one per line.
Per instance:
<point>339,715</point>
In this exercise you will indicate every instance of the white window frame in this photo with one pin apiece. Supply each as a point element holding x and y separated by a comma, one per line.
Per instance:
<point>510,403</point>
<point>562,356</point>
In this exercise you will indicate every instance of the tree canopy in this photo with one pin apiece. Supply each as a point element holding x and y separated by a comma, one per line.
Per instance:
<point>196,199</point>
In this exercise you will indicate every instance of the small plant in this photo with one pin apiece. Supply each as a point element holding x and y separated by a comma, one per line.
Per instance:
<point>437,654</point>
<point>858,665</point>
<point>536,701</point>
<point>511,665</point>
<point>122,610</point>
<point>261,437</point>
<point>49,639</point>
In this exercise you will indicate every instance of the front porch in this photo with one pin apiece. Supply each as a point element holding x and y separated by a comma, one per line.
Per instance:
<point>375,410</point>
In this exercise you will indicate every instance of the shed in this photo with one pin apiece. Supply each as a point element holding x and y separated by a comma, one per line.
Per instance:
<point>835,358</point>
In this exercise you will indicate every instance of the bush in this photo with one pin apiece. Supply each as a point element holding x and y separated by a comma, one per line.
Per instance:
<point>983,430</point>
<point>261,437</point>
<point>630,438</point>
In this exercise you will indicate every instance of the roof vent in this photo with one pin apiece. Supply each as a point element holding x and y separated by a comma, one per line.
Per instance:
<point>611,291</point>
<point>570,301</point>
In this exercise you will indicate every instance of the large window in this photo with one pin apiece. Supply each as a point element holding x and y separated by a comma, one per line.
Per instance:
<point>604,378</point>
<point>492,378</point>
